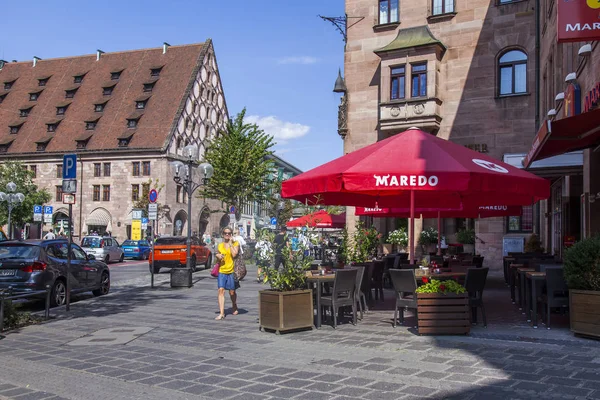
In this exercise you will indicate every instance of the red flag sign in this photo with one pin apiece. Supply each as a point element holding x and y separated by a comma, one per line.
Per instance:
<point>578,20</point>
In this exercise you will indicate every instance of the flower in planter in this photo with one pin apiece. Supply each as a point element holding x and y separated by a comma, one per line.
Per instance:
<point>435,286</point>
<point>428,236</point>
<point>398,237</point>
<point>425,279</point>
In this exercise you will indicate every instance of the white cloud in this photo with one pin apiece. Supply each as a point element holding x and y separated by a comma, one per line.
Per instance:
<point>303,60</point>
<point>282,131</point>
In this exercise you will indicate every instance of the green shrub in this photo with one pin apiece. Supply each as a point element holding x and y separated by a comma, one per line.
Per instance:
<point>428,236</point>
<point>533,244</point>
<point>466,236</point>
<point>399,237</point>
<point>582,265</point>
<point>13,318</point>
<point>446,287</point>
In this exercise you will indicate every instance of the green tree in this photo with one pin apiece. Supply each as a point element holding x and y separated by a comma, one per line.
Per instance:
<point>142,203</point>
<point>13,171</point>
<point>239,157</point>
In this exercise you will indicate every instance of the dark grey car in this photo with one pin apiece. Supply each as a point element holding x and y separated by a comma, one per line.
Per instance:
<point>30,265</point>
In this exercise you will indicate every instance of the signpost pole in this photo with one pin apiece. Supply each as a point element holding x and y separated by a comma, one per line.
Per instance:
<point>152,262</point>
<point>69,258</point>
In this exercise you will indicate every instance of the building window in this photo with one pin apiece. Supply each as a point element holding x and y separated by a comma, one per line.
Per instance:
<point>135,192</point>
<point>2,97</point>
<point>419,80</point>
<point>99,107</point>
<point>136,168</point>
<point>51,127</point>
<point>398,82</point>
<point>178,194</point>
<point>59,170</point>
<point>105,192</point>
<point>155,71</point>
<point>107,91</point>
<point>78,79</point>
<point>389,11</point>
<point>115,75</point>
<point>146,168</point>
<point>8,85</point>
<point>24,112</point>
<point>132,123</point>
<point>512,73</point>
<point>96,195</point>
<point>59,193</point>
<point>70,93</point>
<point>42,82</point>
<point>33,169</point>
<point>145,190</point>
<point>41,146</point>
<point>97,170</point>
<point>140,105</point>
<point>107,169</point>
<point>82,144</point>
<point>14,129</point>
<point>523,223</point>
<point>34,96</point>
<point>443,7</point>
<point>90,125</point>
<point>61,110</point>
<point>149,86</point>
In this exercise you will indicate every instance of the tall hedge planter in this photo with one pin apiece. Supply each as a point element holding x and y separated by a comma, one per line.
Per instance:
<point>285,311</point>
<point>443,314</point>
<point>584,308</point>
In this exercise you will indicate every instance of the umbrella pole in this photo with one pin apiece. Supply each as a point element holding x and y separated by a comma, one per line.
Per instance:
<point>412,227</point>
<point>439,251</point>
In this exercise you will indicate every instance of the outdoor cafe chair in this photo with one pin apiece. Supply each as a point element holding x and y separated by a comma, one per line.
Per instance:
<point>358,294</point>
<point>405,286</point>
<point>342,294</point>
<point>377,279</point>
<point>474,284</point>
<point>557,292</point>
<point>478,261</point>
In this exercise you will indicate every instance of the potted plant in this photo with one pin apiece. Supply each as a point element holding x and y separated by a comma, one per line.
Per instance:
<point>398,239</point>
<point>442,308</point>
<point>582,274</point>
<point>467,238</point>
<point>364,243</point>
<point>287,305</point>
<point>533,244</point>
<point>428,239</point>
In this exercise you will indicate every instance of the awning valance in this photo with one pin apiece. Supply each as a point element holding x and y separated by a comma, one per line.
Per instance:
<point>98,217</point>
<point>565,135</point>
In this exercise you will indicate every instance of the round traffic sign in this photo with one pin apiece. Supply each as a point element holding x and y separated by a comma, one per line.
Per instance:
<point>232,210</point>
<point>152,196</point>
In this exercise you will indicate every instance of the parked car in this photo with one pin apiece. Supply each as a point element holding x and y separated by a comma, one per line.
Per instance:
<point>30,265</point>
<point>104,248</point>
<point>138,249</point>
<point>171,251</point>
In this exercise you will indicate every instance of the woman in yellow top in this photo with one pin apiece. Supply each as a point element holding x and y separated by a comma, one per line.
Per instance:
<point>227,251</point>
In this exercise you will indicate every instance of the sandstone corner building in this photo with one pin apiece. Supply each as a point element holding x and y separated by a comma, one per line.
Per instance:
<point>127,115</point>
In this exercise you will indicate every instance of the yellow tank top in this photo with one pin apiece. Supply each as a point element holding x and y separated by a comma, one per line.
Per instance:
<point>227,261</point>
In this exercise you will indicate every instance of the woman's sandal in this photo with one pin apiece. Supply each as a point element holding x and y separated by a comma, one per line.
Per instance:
<point>220,317</point>
<point>235,312</point>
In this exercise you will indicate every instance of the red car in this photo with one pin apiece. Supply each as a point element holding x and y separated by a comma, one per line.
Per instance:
<point>171,252</point>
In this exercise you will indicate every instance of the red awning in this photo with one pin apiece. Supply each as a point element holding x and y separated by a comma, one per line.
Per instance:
<point>319,219</point>
<point>564,135</point>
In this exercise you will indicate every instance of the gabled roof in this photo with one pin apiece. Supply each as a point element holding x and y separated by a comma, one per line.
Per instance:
<point>180,66</point>
<point>412,37</point>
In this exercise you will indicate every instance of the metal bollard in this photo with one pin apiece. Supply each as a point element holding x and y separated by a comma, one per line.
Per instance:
<point>47,315</point>
<point>1,312</point>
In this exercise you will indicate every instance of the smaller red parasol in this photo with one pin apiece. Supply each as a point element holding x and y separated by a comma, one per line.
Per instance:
<point>319,219</point>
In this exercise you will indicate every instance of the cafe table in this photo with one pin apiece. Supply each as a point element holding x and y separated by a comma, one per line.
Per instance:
<point>419,273</point>
<point>512,271</point>
<point>522,286</point>
<point>318,280</point>
<point>536,279</point>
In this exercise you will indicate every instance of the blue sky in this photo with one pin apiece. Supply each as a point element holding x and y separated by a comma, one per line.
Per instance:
<point>276,58</point>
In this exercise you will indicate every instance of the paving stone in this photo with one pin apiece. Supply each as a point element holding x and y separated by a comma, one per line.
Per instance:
<point>303,375</point>
<point>532,387</point>
<point>380,360</point>
<point>34,396</point>
<point>16,391</point>
<point>417,390</point>
<point>251,396</point>
<point>286,393</point>
<point>154,380</point>
<point>295,383</point>
<point>273,379</point>
<point>171,372</point>
<point>354,381</point>
<point>386,386</point>
<point>463,370</point>
<point>280,371</point>
<point>462,378</point>
<point>381,395</point>
<point>247,375</point>
<point>200,389</point>
<point>136,376</point>
<point>115,373</point>
<point>562,373</point>
<point>151,368</point>
<point>432,375</point>
<point>323,387</point>
<point>260,388</point>
<point>176,384</point>
<point>527,377</point>
<point>222,393</point>
<point>351,365</point>
<point>329,378</point>
<point>463,363</point>
<point>352,391</point>
<point>436,360</point>
<point>594,395</point>
<point>316,396</point>
<point>587,376</point>
<point>376,367</point>
<point>570,391</point>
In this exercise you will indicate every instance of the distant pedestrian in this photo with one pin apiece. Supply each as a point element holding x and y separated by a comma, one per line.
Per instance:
<point>281,240</point>
<point>49,236</point>
<point>227,251</point>
<point>238,238</point>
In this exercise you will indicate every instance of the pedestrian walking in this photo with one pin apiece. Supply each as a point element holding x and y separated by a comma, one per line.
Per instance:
<point>227,251</point>
<point>238,238</point>
<point>281,240</point>
<point>50,236</point>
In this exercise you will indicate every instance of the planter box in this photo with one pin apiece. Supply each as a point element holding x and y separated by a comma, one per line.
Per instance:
<point>284,311</point>
<point>443,314</point>
<point>584,309</point>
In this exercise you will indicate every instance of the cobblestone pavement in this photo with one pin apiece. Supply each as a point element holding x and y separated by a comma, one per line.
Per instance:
<point>179,351</point>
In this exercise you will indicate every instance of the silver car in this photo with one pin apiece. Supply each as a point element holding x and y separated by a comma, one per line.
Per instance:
<point>104,248</point>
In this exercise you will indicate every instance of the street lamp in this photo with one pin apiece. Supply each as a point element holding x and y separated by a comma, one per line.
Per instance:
<point>280,206</point>
<point>184,172</point>
<point>13,199</point>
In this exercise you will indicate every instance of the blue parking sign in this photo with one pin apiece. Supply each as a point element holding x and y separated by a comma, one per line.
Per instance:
<point>48,209</point>
<point>37,209</point>
<point>144,220</point>
<point>69,166</point>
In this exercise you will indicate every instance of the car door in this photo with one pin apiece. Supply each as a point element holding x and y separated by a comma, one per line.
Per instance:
<point>87,271</point>
<point>117,249</point>
<point>60,251</point>
<point>144,247</point>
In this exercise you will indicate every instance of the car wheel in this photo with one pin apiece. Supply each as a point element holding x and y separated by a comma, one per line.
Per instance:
<point>193,263</point>
<point>156,269</point>
<point>104,285</point>
<point>208,261</point>
<point>58,296</point>
<point>121,258</point>
<point>107,259</point>
<point>147,256</point>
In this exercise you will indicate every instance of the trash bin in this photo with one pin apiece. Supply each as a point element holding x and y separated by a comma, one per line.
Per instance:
<point>181,278</point>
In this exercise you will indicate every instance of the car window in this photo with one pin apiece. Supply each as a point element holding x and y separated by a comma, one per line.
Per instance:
<point>2,236</point>
<point>144,243</point>
<point>58,250</point>
<point>129,243</point>
<point>78,254</point>
<point>115,243</point>
<point>91,242</point>
<point>19,251</point>
<point>170,241</point>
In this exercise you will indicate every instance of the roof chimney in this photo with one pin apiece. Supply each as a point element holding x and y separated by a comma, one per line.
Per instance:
<point>98,54</point>
<point>35,60</point>
<point>2,62</point>
<point>165,45</point>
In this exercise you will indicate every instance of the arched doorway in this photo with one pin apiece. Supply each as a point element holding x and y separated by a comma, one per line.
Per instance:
<point>203,221</point>
<point>60,221</point>
<point>180,223</point>
<point>225,220</point>
<point>98,221</point>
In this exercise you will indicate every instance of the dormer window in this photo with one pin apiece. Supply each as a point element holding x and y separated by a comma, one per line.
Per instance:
<point>33,96</point>
<point>83,140</point>
<point>148,86</point>
<point>70,93</point>
<point>5,144</point>
<point>43,81</point>
<point>78,78</point>
<point>42,144</point>
<point>125,139</point>
<point>140,105</point>
<point>9,84</point>
<point>2,96</point>
<point>24,112</point>
<point>107,88</point>
<point>61,109</point>
<point>99,107</point>
<point>115,75</point>
<point>132,121</point>
<point>51,126</point>
<point>15,127</point>
<point>155,71</point>
<point>91,125</point>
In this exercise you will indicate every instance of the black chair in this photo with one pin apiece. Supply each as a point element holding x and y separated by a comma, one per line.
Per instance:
<point>474,284</point>
<point>557,292</point>
<point>403,256</point>
<point>342,294</point>
<point>377,279</point>
<point>405,286</point>
<point>478,261</point>
<point>358,294</point>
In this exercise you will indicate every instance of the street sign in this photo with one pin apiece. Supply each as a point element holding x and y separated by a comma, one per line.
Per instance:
<point>47,218</point>
<point>152,196</point>
<point>273,221</point>
<point>232,210</point>
<point>69,166</point>
<point>37,209</point>
<point>144,223</point>
<point>68,198</point>
<point>48,210</point>
<point>37,217</point>
<point>231,217</point>
<point>69,186</point>
<point>153,207</point>
<point>137,214</point>
<point>136,229</point>
<point>152,215</point>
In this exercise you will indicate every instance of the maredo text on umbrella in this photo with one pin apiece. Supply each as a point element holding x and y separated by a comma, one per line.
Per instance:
<point>405,180</point>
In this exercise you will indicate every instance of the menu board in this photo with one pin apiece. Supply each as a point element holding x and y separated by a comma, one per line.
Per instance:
<point>513,244</point>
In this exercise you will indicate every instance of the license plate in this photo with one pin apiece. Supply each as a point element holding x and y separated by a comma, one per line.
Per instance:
<point>166,251</point>
<point>7,272</point>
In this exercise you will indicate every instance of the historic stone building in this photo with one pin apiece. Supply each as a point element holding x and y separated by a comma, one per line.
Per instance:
<point>127,115</point>
<point>461,70</point>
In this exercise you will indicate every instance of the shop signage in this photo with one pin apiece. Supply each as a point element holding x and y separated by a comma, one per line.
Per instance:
<point>405,180</point>
<point>578,20</point>
<point>572,100</point>
<point>592,99</point>
<point>136,229</point>
<point>537,142</point>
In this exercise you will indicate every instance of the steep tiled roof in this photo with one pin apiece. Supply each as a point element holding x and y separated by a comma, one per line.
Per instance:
<point>177,68</point>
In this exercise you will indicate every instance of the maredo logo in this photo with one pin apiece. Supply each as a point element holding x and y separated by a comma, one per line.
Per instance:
<point>578,20</point>
<point>405,180</point>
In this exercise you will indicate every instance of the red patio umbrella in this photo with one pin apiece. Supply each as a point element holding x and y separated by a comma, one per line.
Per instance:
<point>416,168</point>
<point>319,219</point>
